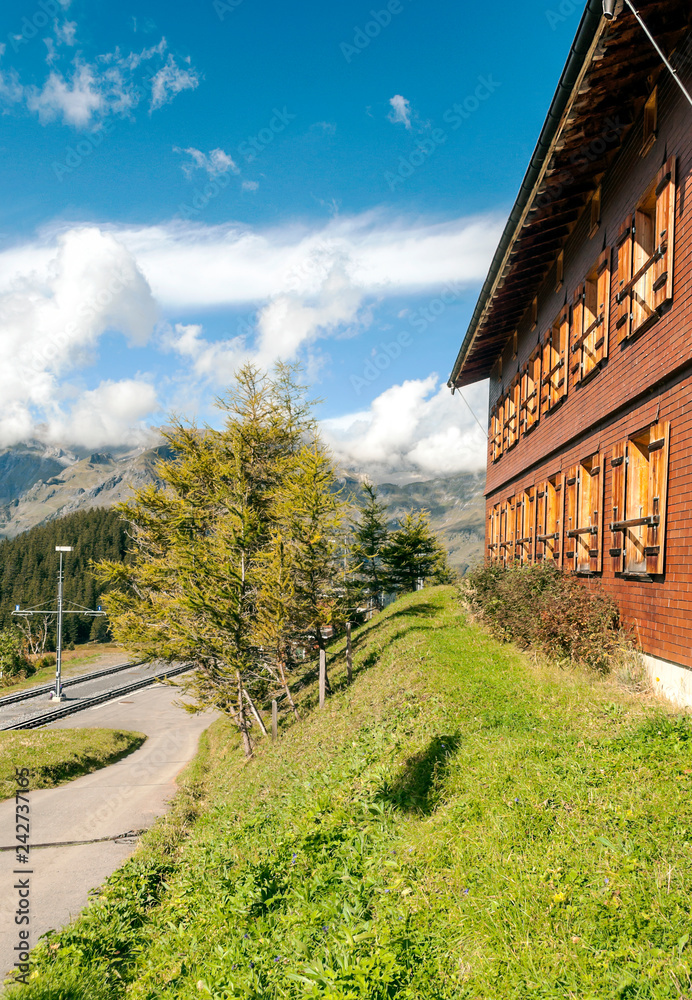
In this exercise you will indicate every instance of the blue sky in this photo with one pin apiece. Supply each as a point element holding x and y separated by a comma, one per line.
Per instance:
<point>188,186</point>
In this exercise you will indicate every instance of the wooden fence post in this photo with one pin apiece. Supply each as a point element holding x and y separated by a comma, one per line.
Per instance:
<point>349,653</point>
<point>323,676</point>
<point>275,721</point>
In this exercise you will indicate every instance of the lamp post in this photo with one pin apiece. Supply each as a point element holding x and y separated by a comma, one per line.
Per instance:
<point>57,695</point>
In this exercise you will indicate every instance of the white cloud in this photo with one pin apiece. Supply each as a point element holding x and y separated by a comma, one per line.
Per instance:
<point>65,32</point>
<point>401,111</point>
<point>215,163</point>
<point>170,80</point>
<point>83,94</point>
<point>77,100</point>
<point>51,320</point>
<point>250,185</point>
<point>416,430</point>
<point>296,285</point>
<point>114,412</point>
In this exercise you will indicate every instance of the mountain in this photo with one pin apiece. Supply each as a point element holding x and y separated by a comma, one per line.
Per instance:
<point>39,484</point>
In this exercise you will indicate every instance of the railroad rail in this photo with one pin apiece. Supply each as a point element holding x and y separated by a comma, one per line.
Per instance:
<point>78,706</point>
<point>36,692</point>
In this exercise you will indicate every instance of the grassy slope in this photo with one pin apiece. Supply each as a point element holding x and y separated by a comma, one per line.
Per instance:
<point>56,756</point>
<point>460,824</point>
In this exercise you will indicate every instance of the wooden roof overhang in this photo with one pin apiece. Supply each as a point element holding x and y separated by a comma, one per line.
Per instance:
<point>603,87</point>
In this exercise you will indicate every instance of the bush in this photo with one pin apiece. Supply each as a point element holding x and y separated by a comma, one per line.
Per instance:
<point>13,660</point>
<point>541,608</point>
<point>46,661</point>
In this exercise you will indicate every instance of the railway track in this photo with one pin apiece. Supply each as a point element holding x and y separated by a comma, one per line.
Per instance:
<point>36,692</point>
<point>98,699</point>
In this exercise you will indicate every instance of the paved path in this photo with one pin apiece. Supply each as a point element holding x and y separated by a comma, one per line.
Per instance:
<point>126,796</point>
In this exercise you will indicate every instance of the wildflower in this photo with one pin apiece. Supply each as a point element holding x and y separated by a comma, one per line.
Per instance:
<point>465,892</point>
<point>278,958</point>
<point>606,881</point>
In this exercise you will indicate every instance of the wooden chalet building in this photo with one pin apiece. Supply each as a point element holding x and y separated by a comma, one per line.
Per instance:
<point>584,328</point>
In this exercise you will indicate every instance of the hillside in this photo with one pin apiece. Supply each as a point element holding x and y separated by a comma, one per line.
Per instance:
<point>460,823</point>
<point>39,484</point>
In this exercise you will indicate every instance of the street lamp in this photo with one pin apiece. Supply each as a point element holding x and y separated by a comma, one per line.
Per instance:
<point>57,694</point>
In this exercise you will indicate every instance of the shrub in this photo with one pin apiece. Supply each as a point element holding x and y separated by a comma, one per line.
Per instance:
<point>13,659</point>
<point>541,608</point>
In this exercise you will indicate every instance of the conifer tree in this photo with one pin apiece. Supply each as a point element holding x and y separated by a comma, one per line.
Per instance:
<point>414,553</point>
<point>370,535</point>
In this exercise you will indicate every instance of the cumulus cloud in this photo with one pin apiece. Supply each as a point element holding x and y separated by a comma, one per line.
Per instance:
<point>83,94</point>
<point>215,163</point>
<point>401,111</point>
<point>77,99</point>
<point>297,286</point>
<point>51,319</point>
<point>416,430</point>
<point>250,185</point>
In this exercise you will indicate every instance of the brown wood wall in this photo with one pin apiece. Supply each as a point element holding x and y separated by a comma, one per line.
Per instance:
<point>648,376</point>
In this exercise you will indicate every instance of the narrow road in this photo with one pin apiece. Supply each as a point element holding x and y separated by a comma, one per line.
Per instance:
<point>126,796</point>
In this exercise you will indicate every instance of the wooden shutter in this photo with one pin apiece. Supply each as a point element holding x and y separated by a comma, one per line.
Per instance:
<point>571,515</point>
<point>618,489</point>
<point>643,245</point>
<point>561,349</point>
<point>664,234</point>
<point>535,377</point>
<point>545,368</point>
<point>659,448</point>
<point>558,546</point>
<point>577,327</point>
<point>603,306</point>
<point>541,505</point>
<point>529,522</point>
<point>623,317</point>
<point>517,522</point>
<point>596,540</point>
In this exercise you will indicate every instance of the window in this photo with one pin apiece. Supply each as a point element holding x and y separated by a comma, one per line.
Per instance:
<point>511,421</point>
<point>595,212</point>
<point>590,314</point>
<point>583,516</point>
<point>507,531</point>
<point>525,526</point>
<point>554,378</point>
<point>534,313</point>
<point>549,504</point>
<point>494,534</point>
<point>530,388</point>
<point>645,257</point>
<point>650,129</point>
<point>560,270</point>
<point>639,487</point>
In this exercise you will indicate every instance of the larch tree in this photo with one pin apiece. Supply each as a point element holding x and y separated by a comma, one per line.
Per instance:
<point>188,591</point>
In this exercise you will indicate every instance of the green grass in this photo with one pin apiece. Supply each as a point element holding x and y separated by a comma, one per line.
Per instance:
<point>460,823</point>
<point>58,755</point>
